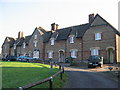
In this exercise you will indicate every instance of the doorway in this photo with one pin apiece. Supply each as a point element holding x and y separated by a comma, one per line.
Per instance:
<point>61,56</point>
<point>36,53</point>
<point>110,55</point>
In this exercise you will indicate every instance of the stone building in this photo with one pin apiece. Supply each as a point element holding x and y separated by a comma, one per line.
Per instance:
<point>97,37</point>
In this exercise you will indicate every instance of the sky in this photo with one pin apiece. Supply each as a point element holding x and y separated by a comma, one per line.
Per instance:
<point>26,15</point>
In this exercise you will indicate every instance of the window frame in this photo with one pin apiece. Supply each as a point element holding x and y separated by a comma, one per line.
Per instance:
<point>50,54</point>
<point>74,53</point>
<point>35,43</point>
<point>52,41</point>
<point>95,51</point>
<point>98,36</point>
<point>71,39</point>
<point>35,37</point>
<point>14,46</point>
<point>24,45</point>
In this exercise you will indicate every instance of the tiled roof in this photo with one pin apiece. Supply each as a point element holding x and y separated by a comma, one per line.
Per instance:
<point>11,42</point>
<point>78,31</point>
<point>47,36</point>
<point>27,39</point>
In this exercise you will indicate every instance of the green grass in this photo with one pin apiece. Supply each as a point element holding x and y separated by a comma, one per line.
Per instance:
<point>16,74</point>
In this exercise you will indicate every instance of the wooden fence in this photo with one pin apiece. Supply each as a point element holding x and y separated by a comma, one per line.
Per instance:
<point>50,79</point>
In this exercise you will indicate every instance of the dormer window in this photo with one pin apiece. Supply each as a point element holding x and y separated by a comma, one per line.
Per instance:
<point>24,45</point>
<point>35,37</point>
<point>71,39</point>
<point>52,41</point>
<point>97,36</point>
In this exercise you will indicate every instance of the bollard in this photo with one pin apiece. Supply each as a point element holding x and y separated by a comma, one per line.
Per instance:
<point>101,62</point>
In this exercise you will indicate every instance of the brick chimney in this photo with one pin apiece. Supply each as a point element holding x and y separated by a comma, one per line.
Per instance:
<point>91,17</point>
<point>54,26</point>
<point>20,34</point>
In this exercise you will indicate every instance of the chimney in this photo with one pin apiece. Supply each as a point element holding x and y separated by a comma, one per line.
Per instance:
<point>54,26</point>
<point>57,26</point>
<point>91,17</point>
<point>20,34</point>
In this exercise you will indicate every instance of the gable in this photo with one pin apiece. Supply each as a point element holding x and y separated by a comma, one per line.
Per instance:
<point>98,21</point>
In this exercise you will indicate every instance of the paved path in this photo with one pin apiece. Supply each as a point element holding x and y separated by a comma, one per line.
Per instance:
<point>84,78</point>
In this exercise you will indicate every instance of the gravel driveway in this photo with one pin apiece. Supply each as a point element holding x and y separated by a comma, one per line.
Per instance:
<point>84,78</point>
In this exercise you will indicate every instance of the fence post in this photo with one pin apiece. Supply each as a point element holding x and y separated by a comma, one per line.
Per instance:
<point>63,69</point>
<point>61,75</point>
<point>50,81</point>
<point>59,66</point>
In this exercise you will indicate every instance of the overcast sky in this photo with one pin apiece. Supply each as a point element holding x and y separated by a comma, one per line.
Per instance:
<point>25,15</point>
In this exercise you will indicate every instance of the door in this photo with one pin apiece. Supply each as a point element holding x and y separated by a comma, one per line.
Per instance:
<point>36,54</point>
<point>110,55</point>
<point>61,56</point>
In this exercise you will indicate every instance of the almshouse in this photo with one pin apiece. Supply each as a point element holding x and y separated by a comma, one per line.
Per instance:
<point>97,37</point>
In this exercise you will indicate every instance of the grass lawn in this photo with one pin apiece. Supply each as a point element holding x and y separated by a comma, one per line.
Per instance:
<point>16,74</point>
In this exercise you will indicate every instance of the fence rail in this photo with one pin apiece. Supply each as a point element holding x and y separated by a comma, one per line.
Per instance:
<point>50,79</point>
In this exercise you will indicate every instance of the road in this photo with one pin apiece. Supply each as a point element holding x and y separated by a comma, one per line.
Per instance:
<point>83,78</point>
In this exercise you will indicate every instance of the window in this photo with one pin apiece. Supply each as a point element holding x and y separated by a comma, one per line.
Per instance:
<point>50,54</point>
<point>35,37</point>
<point>24,45</point>
<point>94,51</point>
<point>35,43</point>
<point>52,41</point>
<point>14,46</point>
<point>74,53</point>
<point>72,39</point>
<point>4,48</point>
<point>97,36</point>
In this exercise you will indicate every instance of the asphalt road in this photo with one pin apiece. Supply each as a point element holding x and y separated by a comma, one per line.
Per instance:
<point>80,78</point>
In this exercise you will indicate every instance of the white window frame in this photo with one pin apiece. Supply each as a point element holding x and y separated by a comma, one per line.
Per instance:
<point>35,37</point>
<point>24,45</point>
<point>95,51</point>
<point>74,53</point>
<point>71,39</point>
<point>35,43</point>
<point>50,54</point>
<point>14,46</point>
<point>52,41</point>
<point>98,36</point>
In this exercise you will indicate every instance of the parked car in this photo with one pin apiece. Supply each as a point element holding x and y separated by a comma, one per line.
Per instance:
<point>4,58</point>
<point>11,58</point>
<point>24,58</point>
<point>94,61</point>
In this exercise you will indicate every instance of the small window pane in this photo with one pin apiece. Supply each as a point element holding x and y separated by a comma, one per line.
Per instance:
<point>52,42</point>
<point>97,36</point>
<point>73,54</point>
<point>94,51</point>
<point>71,39</point>
<point>35,37</point>
<point>50,54</point>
